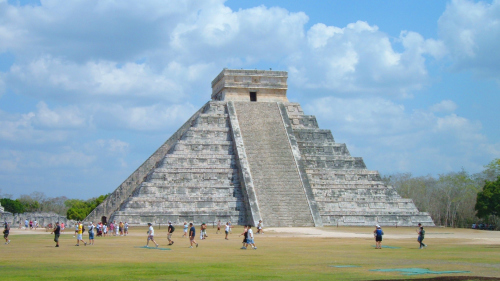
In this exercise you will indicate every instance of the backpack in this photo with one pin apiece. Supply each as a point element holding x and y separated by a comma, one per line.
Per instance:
<point>173,228</point>
<point>83,228</point>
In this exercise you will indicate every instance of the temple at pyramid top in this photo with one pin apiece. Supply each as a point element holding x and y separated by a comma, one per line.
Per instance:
<point>250,85</point>
<point>250,155</point>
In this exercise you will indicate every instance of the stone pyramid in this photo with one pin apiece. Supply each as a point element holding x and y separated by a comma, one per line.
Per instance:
<point>248,155</point>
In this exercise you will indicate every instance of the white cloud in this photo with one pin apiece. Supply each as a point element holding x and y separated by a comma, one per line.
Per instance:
<point>360,59</point>
<point>444,106</point>
<point>470,30</point>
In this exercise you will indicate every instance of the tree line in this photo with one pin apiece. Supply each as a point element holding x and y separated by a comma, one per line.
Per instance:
<point>75,209</point>
<point>455,199</point>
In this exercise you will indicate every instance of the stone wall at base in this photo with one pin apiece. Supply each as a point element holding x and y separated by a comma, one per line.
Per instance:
<point>42,218</point>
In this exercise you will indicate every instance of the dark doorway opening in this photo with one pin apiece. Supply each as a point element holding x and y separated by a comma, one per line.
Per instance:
<point>103,220</point>
<point>253,96</point>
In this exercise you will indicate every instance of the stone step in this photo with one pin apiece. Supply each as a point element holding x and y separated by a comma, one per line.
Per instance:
<point>274,172</point>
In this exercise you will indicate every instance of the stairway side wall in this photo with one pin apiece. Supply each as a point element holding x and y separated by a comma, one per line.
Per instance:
<point>252,204</point>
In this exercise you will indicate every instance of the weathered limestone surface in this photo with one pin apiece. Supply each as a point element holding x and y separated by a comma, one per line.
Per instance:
<point>197,180</point>
<point>240,160</point>
<point>279,189</point>
<point>345,191</point>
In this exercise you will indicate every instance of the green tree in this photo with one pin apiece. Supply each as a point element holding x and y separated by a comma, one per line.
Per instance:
<point>488,200</point>
<point>12,206</point>
<point>79,209</point>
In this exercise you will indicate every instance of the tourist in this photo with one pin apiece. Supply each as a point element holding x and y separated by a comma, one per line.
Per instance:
<point>26,224</point>
<point>62,227</point>
<point>76,228</point>
<point>31,224</point>
<point>378,236</point>
<point>260,228</point>
<point>35,224</point>
<point>125,228</point>
<point>170,231</point>
<point>151,234</point>
<point>57,232</point>
<point>121,228</point>
<point>117,229</point>
<point>192,233</point>
<point>105,230</point>
<point>218,227</point>
<point>91,233</point>
<point>250,238</point>
<point>203,231</point>
<point>6,232</point>
<point>111,228</point>
<point>420,239</point>
<point>245,233</point>
<point>185,230</point>
<point>79,236</point>
<point>227,229</point>
<point>230,227</point>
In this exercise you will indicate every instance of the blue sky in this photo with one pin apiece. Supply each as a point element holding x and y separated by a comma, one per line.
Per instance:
<point>89,89</point>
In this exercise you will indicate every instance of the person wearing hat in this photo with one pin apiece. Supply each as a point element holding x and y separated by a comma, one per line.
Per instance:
<point>378,236</point>
<point>170,230</point>
<point>151,234</point>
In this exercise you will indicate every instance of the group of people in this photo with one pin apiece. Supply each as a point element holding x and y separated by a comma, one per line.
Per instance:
<point>29,224</point>
<point>378,233</point>
<point>103,230</point>
<point>190,231</point>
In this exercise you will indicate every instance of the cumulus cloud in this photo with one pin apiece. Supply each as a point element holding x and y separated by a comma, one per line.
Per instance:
<point>470,31</point>
<point>360,59</point>
<point>66,80</point>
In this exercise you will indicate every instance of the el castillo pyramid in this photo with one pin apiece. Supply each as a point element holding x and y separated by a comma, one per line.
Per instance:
<point>248,155</point>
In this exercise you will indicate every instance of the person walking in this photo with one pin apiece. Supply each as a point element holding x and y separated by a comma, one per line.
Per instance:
<point>378,236</point>
<point>170,231</point>
<point>151,234</point>
<point>421,236</point>
<point>79,236</point>
<point>203,231</point>
<point>76,228</point>
<point>218,227</point>
<point>104,230</point>
<point>91,233</point>
<point>125,228</point>
<point>6,232</point>
<point>226,230</point>
<point>57,232</point>
<point>250,238</point>
<point>185,230</point>
<point>245,233</point>
<point>192,233</point>
<point>260,227</point>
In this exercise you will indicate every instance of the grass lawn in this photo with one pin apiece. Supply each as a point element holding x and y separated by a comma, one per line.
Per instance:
<point>278,257</point>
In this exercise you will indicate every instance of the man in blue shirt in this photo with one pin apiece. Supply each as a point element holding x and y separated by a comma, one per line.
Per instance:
<point>192,233</point>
